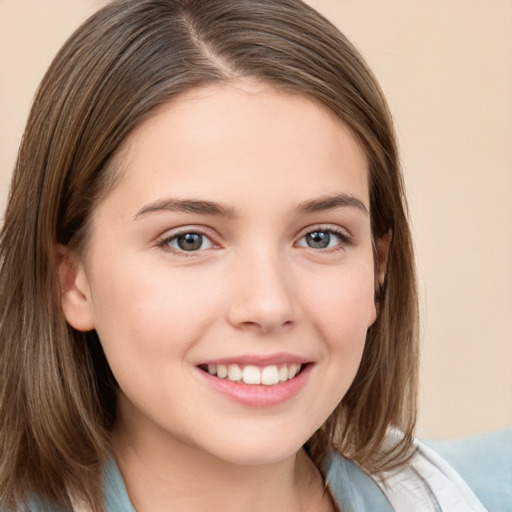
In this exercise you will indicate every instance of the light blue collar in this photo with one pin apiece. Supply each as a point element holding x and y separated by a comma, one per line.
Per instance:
<point>352,489</point>
<point>116,496</point>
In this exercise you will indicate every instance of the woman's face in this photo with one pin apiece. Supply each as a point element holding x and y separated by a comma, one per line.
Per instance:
<point>236,241</point>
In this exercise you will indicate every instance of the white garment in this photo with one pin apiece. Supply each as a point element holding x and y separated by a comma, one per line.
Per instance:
<point>428,484</point>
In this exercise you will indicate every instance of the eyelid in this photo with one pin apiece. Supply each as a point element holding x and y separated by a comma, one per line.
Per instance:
<point>169,235</point>
<point>346,239</point>
<point>336,228</point>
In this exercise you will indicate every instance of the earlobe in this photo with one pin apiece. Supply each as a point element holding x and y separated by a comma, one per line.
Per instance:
<point>381,250</point>
<point>381,259</point>
<point>74,291</point>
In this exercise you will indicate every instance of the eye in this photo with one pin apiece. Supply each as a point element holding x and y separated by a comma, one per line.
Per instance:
<point>188,242</point>
<point>323,239</point>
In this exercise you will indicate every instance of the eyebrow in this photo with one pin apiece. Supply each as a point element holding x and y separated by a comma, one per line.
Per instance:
<point>213,208</point>
<point>332,202</point>
<point>186,206</point>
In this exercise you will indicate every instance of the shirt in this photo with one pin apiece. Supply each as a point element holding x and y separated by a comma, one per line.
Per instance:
<point>426,484</point>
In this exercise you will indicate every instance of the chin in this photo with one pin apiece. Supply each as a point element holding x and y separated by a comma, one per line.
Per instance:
<point>261,457</point>
<point>252,451</point>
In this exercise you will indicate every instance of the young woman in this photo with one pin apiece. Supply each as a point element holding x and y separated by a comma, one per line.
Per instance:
<point>207,281</point>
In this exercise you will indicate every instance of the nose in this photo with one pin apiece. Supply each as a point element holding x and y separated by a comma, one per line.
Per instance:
<point>263,296</point>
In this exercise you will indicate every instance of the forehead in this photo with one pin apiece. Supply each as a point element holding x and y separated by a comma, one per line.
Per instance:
<point>246,136</point>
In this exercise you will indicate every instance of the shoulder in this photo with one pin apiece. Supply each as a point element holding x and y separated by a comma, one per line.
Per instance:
<point>485,463</point>
<point>352,489</point>
<point>115,494</point>
<point>427,483</point>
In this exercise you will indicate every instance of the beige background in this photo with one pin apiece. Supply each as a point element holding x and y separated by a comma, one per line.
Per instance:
<point>446,69</point>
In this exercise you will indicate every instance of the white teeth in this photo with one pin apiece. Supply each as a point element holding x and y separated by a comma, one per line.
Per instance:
<point>234,372</point>
<point>222,371</point>
<point>250,374</point>
<point>269,375</point>
<point>292,370</point>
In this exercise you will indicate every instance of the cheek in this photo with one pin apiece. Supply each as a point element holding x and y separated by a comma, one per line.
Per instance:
<point>147,327</point>
<point>343,305</point>
<point>341,308</point>
<point>149,313</point>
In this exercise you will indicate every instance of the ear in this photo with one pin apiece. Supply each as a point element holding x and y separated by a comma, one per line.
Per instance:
<point>75,294</point>
<point>381,257</point>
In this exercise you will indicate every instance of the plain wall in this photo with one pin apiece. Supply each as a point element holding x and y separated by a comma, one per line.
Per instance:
<point>445,67</point>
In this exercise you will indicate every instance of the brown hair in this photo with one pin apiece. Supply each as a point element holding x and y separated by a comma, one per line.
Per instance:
<point>57,395</point>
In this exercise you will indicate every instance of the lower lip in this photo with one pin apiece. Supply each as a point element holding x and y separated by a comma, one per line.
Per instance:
<point>258,395</point>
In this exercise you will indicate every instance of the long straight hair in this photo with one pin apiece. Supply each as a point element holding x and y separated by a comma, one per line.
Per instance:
<point>57,394</point>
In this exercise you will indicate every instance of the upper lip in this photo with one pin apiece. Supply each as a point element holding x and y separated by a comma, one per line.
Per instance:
<point>260,360</point>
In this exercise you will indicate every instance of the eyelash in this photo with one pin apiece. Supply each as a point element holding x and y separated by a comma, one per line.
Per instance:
<point>344,240</point>
<point>165,242</point>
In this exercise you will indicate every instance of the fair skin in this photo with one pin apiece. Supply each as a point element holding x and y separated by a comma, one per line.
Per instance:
<point>238,236</point>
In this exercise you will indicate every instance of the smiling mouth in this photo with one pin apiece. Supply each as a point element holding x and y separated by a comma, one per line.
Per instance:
<point>250,374</point>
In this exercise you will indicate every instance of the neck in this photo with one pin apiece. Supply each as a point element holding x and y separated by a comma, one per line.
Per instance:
<point>162,473</point>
